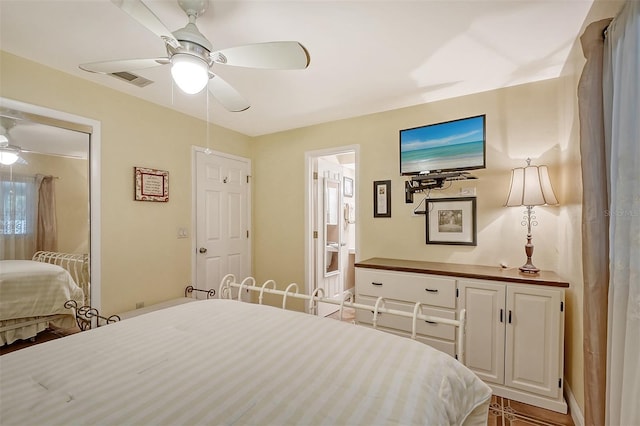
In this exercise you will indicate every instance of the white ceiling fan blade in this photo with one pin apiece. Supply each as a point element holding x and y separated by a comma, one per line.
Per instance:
<point>227,95</point>
<point>271,55</point>
<point>141,13</point>
<point>110,67</point>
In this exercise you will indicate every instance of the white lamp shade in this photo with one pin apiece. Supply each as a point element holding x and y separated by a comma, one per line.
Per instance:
<point>530,186</point>
<point>190,73</point>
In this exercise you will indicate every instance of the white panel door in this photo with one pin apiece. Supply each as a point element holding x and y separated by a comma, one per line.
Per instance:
<point>484,338</point>
<point>222,220</point>
<point>533,340</point>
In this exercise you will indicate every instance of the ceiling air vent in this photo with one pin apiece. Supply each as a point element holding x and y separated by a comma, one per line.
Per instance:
<point>132,78</point>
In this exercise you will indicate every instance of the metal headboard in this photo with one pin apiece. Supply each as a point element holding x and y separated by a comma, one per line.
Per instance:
<point>76,264</point>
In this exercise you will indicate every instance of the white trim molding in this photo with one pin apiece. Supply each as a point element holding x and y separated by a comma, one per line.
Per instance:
<point>574,408</point>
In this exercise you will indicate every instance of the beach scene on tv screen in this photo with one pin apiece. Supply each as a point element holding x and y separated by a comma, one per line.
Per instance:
<point>453,145</point>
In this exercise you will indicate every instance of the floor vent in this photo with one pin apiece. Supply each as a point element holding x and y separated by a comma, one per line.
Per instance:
<point>134,79</point>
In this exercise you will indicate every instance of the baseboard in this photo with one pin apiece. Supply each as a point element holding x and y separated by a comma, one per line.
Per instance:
<point>558,405</point>
<point>574,409</point>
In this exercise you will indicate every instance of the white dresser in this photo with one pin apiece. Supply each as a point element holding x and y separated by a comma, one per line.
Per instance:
<point>401,291</point>
<point>514,338</point>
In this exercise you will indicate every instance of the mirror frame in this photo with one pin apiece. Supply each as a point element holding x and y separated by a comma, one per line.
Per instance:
<point>92,128</point>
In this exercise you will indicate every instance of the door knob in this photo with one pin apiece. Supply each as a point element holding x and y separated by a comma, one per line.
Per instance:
<point>203,250</point>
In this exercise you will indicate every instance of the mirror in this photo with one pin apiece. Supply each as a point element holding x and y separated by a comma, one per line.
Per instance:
<point>332,232</point>
<point>66,148</point>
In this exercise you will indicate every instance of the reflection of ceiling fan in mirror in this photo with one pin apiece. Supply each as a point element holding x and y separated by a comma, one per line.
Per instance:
<point>191,55</point>
<point>9,154</point>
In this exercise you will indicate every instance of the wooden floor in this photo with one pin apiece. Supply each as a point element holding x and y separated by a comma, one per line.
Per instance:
<point>44,336</point>
<point>506,412</point>
<point>502,412</point>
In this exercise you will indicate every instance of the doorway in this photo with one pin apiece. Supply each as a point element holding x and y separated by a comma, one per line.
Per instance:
<point>221,203</point>
<point>330,213</point>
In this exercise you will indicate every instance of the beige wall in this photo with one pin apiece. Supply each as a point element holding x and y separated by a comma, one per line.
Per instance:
<point>521,121</point>
<point>72,197</point>
<point>142,258</point>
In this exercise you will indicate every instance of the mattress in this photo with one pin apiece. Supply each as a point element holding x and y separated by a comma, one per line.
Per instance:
<point>229,362</point>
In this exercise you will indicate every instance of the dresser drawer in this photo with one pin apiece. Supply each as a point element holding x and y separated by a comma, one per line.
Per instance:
<point>442,331</point>
<point>442,345</point>
<point>426,289</point>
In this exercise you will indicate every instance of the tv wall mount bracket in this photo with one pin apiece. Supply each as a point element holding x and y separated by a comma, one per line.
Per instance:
<point>430,181</point>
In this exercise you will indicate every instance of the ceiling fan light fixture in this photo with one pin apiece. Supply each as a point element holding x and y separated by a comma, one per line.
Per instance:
<point>189,72</point>
<point>9,155</point>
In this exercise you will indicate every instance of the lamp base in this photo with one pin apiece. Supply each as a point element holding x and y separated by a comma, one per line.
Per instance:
<point>528,268</point>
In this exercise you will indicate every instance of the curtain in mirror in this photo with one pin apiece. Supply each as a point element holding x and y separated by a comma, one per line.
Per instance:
<point>18,201</point>
<point>28,219</point>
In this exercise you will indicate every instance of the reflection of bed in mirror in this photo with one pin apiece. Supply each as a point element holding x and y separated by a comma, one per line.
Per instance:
<point>54,148</point>
<point>33,293</point>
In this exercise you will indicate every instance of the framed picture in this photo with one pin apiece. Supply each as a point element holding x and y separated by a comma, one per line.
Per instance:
<point>151,184</point>
<point>347,187</point>
<point>382,198</point>
<point>451,221</point>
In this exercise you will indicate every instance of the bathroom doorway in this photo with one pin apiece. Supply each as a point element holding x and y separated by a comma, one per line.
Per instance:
<point>330,220</point>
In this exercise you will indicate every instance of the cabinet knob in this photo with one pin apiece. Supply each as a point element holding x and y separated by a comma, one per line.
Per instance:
<point>431,290</point>
<point>378,284</point>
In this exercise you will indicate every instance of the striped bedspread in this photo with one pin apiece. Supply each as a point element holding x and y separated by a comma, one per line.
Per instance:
<point>30,290</point>
<point>228,362</point>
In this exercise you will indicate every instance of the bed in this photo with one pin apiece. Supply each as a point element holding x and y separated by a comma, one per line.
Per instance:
<point>219,361</point>
<point>33,293</point>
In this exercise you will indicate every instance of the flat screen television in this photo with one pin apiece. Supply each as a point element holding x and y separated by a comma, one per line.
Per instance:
<point>443,147</point>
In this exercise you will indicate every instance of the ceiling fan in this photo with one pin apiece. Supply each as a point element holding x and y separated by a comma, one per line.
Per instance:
<point>191,55</point>
<point>9,154</point>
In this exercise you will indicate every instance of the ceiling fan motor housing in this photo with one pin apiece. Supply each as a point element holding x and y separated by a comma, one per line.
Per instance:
<point>194,7</point>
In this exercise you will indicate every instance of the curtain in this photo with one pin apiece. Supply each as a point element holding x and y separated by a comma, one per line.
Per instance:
<point>18,201</point>
<point>47,229</point>
<point>595,223</point>
<point>622,129</point>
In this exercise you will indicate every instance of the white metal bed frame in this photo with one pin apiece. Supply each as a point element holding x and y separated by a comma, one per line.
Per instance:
<point>76,264</point>
<point>249,284</point>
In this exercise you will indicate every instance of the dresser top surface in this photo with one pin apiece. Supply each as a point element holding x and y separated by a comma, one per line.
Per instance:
<point>513,275</point>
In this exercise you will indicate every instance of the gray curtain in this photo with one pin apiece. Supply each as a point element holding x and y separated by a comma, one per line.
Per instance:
<point>47,227</point>
<point>595,223</point>
<point>621,86</point>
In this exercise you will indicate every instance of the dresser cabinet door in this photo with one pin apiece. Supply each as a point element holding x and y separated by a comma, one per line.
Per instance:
<point>484,337</point>
<point>533,343</point>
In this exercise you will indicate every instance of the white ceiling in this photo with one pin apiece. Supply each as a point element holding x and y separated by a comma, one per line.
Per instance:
<point>366,56</point>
